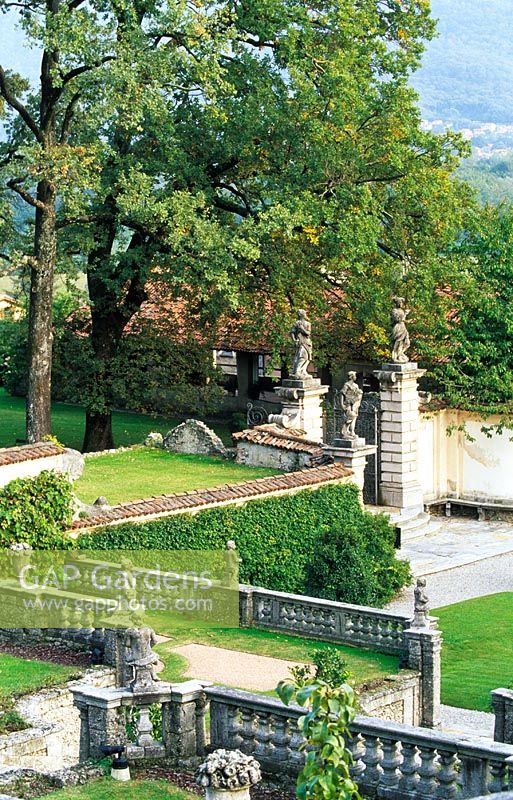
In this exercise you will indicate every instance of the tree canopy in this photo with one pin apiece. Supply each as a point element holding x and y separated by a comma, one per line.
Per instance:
<point>248,153</point>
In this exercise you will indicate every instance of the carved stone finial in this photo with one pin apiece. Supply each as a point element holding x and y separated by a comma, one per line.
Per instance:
<point>228,770</point>
<point>400,335</point>
<point>348,400</point>
<point>421,616</point>
<point>301,335</point>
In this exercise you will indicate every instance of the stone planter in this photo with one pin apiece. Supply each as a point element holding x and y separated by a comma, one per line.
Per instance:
<point>227,794</point>
<point>228,775</point>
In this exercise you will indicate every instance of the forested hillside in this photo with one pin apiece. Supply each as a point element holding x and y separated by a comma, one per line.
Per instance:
<point>467,73</point>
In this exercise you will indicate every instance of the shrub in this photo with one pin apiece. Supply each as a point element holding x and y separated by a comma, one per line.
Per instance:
<point>356,563</point>
<point>36,511</point>
<point>331,667</point>
<point>277,537</point>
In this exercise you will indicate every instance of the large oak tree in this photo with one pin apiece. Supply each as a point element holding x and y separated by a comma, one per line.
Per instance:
<point>247,154</point>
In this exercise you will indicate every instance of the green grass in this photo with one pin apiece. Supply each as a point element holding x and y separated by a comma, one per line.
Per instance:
<point>68,422</point>
<point>19,675</point>
<point>143,472</point>
<point>477,654</point>
<point>109,789</point>
<point>364,664</point>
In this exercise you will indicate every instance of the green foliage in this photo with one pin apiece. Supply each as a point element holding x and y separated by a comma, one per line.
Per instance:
<point>492,177</point>
<point>277,539</point>
<point>154,370</point>
<point>473,364</point>
<point>36,511</point>
<point>330,667</point>
<point>354,561</point>
<point>324,726</point>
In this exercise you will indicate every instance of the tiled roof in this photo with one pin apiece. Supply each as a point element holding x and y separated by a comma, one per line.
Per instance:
<point>175,503</point>
<point>273,436</point>
<point>28,452</point>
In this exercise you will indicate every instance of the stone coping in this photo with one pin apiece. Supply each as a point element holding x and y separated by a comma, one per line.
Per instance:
<point>168,504</point>
<point>271,436</point>
<point>29,452</point>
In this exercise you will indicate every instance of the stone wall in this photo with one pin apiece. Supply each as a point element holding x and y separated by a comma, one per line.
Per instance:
<point>257,455</point>
<point>465,464</point>
<point>28,461</point>
<point>53,740</point>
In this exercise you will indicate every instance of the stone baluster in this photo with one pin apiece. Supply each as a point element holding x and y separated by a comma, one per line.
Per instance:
<point>201,729</point>
<point>356,746</point>
<point>428,771</point>
<point>409,768</point>
<point>263,736</point>
<point>448,775</point>
<point>498,782</point>
<point>281,739</point>
<point>234,727</point>
<point>372,761</point>
<point>144,727</point>
<point>390,764</point>
<point>247,730</point>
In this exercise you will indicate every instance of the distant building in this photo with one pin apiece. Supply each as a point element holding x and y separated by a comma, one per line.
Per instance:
<point>9,306</point>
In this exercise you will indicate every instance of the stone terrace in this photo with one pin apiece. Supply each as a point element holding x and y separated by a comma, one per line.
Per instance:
<point>168,504</point>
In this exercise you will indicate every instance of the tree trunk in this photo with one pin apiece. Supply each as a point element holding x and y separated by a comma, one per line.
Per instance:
<point>40,316</point>
<point>98,432</point>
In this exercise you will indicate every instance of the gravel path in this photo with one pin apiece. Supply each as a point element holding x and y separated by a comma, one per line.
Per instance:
<point>488,576</point>
<point>234,668</point>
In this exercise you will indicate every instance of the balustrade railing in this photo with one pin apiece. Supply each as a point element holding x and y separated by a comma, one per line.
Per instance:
<point>324,619</point>
<point>390,760</point>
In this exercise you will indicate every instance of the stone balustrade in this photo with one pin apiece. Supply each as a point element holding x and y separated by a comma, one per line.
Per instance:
<point>324,619</point>
<point>390,760</point>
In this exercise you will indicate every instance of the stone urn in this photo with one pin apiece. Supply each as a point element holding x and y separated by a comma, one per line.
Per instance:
<point>228,775</point>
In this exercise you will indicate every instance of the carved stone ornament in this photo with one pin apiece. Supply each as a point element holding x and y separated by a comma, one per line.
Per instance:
<point>301,335</point>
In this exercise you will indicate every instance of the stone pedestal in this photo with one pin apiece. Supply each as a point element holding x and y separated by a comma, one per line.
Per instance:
<point>502,704</point>
<point>302,406</point>
<point>424,654</point>
<point>399,486</point>
<point>353,454</point>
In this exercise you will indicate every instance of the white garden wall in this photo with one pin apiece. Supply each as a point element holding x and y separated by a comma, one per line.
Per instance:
<point>479,468</point>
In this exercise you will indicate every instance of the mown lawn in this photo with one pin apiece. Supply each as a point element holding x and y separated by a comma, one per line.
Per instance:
<point>143,472</point>
<point>109,789</point>
<point>364,664</point>
<point>68,422</point>
<point>477,654</point>
<point>20,676</point>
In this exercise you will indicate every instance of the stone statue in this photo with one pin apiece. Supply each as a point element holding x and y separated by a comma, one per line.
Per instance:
<point>348,400</point>
<point>141,658</point>
<point>421,604</point>
<point>301,336</point>
<point>400,336</point>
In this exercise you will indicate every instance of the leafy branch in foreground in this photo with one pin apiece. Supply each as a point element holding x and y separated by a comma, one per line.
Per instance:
<point>325,728</point>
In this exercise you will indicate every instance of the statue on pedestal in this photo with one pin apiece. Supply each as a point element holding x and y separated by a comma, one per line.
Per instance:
<point>348,401</point>
<point>141,658</point>
<point>400,336</point>
<point>301,336</point>
<point>421,607</point>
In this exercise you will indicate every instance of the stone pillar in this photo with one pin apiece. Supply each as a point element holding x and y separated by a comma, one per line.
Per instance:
<point>182,720</point>
<point>245,606</point>
<point>424,646</point>
<point>502,704</point>
<point>114,654</point>
<point>102,719</point>
<point>399,486</point>
<point>302,407</point>
<point>353,455</point>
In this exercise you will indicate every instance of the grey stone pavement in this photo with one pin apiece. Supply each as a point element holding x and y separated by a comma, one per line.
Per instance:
<point>466,558</point>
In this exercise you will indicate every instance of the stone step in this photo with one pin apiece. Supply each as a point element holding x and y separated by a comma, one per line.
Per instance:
<point>426,529</point>
<point>413,525</point>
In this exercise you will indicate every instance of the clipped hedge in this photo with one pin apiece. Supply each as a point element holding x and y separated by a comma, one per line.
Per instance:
<point>277,537</point>
<point>36,511</point>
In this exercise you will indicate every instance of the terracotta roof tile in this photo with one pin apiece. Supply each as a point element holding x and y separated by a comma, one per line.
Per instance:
<point>169,503</point>
<point>271,436</point>
<point>29,452</point>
